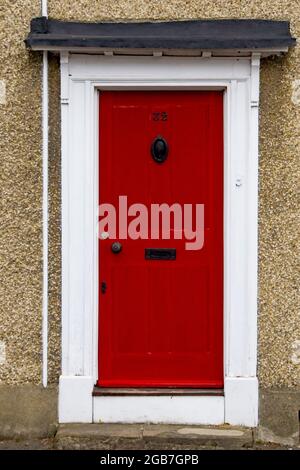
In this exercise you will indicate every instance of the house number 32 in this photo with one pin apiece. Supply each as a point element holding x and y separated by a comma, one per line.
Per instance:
<point>160,116</point>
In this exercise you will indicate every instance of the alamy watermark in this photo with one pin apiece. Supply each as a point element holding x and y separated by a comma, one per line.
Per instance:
<point>159,221</point>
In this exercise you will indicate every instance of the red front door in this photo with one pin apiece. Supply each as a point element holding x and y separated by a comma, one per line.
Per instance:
<point>161,320</point>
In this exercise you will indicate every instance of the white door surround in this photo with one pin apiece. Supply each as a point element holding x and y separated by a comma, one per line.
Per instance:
<point>82,76</point>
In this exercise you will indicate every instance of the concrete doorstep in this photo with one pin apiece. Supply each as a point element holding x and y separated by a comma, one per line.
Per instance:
<point>151,436</point>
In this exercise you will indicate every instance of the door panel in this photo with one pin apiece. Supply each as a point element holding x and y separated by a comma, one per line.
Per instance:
<point>161,321</point>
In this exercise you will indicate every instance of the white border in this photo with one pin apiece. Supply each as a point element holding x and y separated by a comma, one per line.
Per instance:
<point>81,78</point>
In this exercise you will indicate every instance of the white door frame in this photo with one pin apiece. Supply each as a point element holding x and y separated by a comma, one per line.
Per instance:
<point>82,76</point>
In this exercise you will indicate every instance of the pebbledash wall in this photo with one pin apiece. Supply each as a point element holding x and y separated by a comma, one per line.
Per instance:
<point>25,407</point>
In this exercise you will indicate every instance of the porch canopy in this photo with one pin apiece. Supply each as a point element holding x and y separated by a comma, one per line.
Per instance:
<point>201,37</point>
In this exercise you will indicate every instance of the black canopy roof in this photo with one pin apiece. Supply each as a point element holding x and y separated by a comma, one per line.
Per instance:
<point>202,34</point>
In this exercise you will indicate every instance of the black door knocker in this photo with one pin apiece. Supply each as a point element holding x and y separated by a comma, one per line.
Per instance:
<point>159,149</point>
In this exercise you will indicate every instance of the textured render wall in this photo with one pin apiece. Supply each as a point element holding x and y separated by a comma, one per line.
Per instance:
<point>21,202</point>
<point>20,173</point>
<point>54,345</point>
<point>279,219</point>
<point>20,198</point>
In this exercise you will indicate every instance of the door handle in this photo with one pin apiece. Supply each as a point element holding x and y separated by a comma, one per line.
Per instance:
<point>116,247</point>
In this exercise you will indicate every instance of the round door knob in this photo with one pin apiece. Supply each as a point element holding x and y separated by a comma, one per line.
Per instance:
<point>116,247</point>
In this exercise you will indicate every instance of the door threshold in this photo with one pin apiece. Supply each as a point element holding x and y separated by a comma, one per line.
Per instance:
<point>118,392</point>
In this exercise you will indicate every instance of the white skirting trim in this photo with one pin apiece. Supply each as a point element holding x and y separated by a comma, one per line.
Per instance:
<point>159,409</point>
<point>241,401</point>
<point>75,403</point>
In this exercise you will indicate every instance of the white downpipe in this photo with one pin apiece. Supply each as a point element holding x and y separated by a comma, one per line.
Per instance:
<point>45,207</point>
<point>44,7</point>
